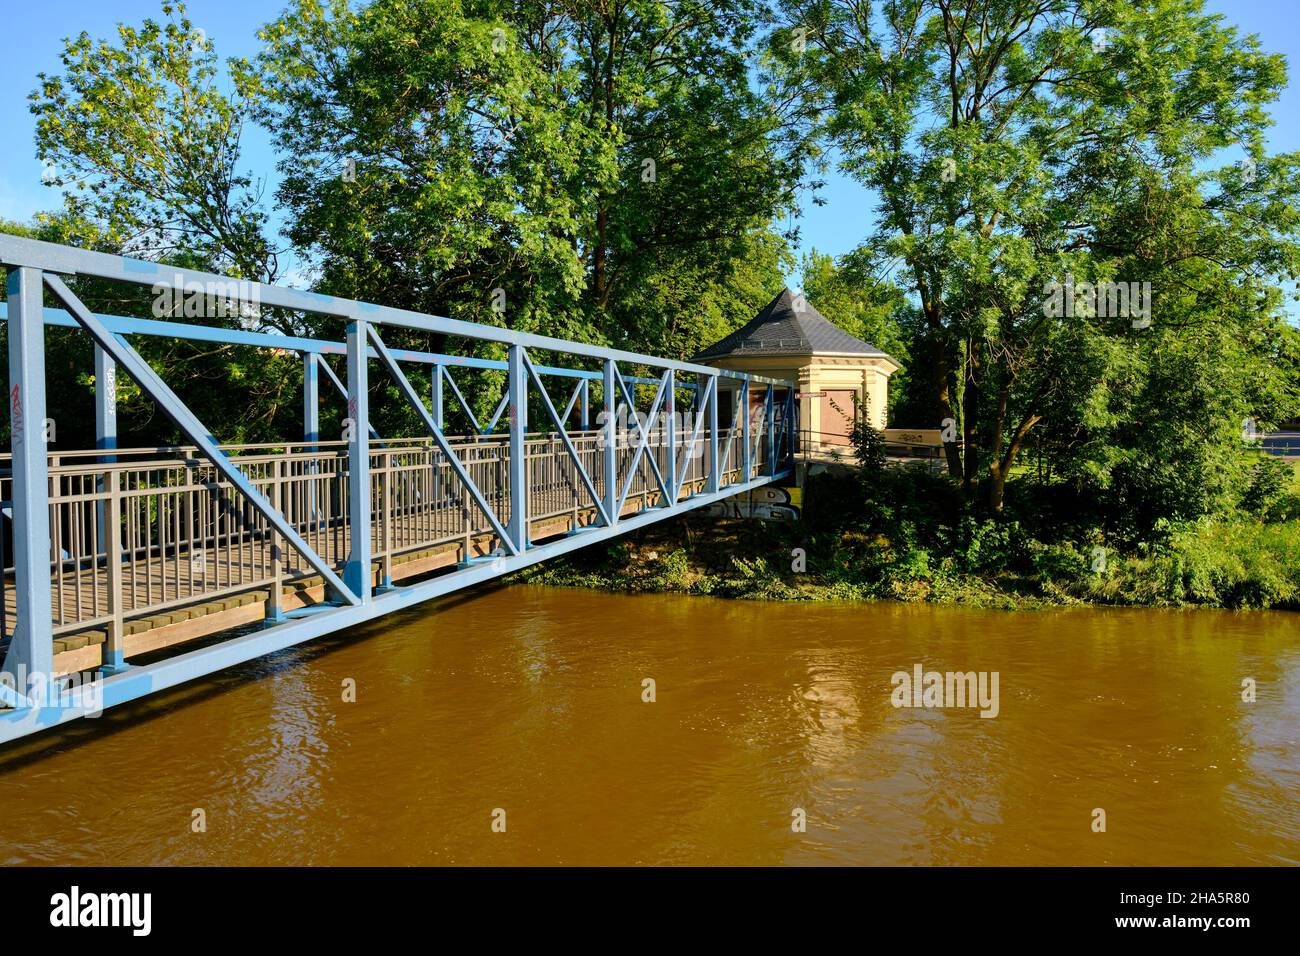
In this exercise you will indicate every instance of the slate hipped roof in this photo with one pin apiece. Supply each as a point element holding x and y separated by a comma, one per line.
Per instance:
<point>783,329</point>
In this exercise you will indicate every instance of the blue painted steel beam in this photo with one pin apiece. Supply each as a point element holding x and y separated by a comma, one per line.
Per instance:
<point>105,426</point>
<point>174,671</point>
<point>310,400</point>
<point>610,456</point>
<point>29,662</point>
<point>715,467</point>
<point>51,257</point>
<point>490,427</point>
<point>748,445</point>
<point>435,388</point>
<point>770,424</point>
<point>125,325</point>
<point>105,403</point>
<point>356,572</point>
<point>187,422</point>
<point>670,436</point>
<point>578,392</point>
<point>517,394</point>
<point>790,431</point>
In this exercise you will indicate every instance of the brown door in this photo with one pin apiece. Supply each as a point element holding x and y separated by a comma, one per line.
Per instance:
<point>837,410</point>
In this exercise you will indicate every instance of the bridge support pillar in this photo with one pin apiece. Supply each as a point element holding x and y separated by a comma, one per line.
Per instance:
<point>356,573</point>
<point>311,365</point>
<point>770,427</point>
<point>791,429</point>
<point>436,389</point>
<point>310,400</point>
<point>31,651</point>
<point>105,403</point>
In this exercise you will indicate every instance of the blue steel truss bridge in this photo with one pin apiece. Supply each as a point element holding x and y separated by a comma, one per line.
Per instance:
<point>116,560</point>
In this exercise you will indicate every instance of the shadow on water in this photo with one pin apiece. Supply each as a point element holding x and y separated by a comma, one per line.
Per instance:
<point>68,738</point>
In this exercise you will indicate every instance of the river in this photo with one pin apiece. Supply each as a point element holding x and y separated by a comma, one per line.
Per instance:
<point>530,701</point>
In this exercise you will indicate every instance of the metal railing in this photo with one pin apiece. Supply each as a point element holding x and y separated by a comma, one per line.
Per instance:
<point>184,535</point>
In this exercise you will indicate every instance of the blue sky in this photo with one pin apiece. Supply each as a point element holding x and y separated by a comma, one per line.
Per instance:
<point>35,31</point>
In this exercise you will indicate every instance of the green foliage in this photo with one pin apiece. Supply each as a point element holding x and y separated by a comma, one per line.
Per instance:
<point>609,170</point>
<point>145,142</point>
<point>442,156</point>
<point>868,446</point>
<point>1269,495</point>
<point>1007,150</point>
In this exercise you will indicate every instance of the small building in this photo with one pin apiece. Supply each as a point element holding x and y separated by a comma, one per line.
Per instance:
<point>838,374</point>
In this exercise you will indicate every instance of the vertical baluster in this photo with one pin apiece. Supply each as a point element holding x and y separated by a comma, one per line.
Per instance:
<point>274,610</point>
<point>113,656</point>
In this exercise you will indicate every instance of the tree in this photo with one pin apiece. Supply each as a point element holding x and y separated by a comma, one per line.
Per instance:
<point>145,143</point>
<point>1015,146</point>
<point>563,167</point>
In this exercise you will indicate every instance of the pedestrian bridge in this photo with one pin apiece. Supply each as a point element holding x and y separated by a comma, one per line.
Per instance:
<point>118,560</point>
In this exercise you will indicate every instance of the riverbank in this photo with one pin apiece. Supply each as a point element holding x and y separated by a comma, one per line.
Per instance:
<point>1242,564</point>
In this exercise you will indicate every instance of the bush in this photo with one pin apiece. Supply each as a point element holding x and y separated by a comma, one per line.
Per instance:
<point>1270,482</point>
<point>1239,565</point>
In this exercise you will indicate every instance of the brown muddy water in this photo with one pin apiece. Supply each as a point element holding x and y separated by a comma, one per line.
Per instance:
<point>529,700</point>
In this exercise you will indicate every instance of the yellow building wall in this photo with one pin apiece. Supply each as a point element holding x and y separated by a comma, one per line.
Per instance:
<point>866,376</point>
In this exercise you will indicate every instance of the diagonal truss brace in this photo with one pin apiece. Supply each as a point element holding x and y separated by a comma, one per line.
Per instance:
<point>460,399</point>
<point>731,438</point>
<point>491,426</point>
<point>641,447</point>
<point>149,380</point>
<point>390,363</point>
<point>564,437</point>
<point>342,389</point>
<point>643,431</point>
<point>710,389</point>
<point>573,399</point>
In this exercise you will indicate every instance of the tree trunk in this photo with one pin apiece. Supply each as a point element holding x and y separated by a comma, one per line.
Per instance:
<point>997,488</point>
<point>941,390</point>
<point>600,288</point>
<point>970,420</point>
